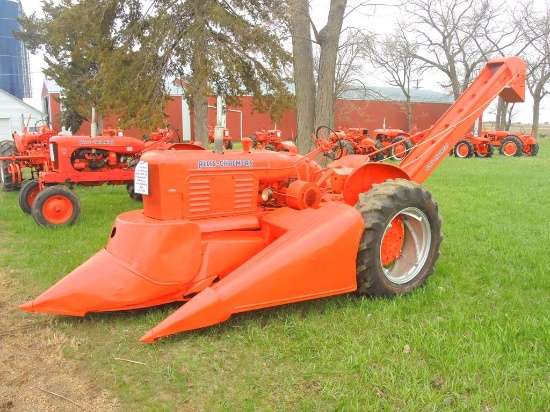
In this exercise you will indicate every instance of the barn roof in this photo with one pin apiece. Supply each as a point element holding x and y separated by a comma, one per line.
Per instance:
<point>396,94</point>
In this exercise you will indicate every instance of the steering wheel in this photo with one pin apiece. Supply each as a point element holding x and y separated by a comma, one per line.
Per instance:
<point>41,123</point>
<point>175,129</point>
<point>326,143</point>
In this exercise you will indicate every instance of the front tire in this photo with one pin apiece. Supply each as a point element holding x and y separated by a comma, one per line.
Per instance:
<point>400,243</point>
<point>28,193</point>
<point>56,206</point>
<point>464,149</point>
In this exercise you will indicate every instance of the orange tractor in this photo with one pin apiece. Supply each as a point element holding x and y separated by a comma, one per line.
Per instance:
<point>27,150</point>
<point>244,230</point>
<point>227,139</point>
<point>272,140</point>
<point>66,161</point>
<point>508,144</point>
<point>356,140</point>
<point>397,142</point>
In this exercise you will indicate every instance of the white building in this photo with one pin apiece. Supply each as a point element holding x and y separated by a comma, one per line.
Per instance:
<point>15,114</point>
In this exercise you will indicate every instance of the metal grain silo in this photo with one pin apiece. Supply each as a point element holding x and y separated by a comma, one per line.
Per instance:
<point>14,62</point>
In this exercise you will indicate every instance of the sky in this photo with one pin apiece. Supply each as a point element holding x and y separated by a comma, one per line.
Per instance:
<point>377,20</point>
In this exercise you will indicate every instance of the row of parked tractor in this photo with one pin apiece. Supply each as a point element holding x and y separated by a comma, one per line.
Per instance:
<point>396,143</point>
<point>57,162</point>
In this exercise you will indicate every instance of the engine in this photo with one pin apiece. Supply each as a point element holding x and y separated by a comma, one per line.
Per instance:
<point>93,154</point>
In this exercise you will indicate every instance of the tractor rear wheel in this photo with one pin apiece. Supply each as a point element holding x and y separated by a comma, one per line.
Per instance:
<point>400,243</point>
<point>8,183</point>
<point>228,144</point>
<point>343,149</point>
<point>464,149</point>
<point>27,195</point>
<point>270,147</point>
<point>401,149</point>
<point>511,146</point>
<point>254,140</point>
<point>378,157</point>
<point>56,206</point>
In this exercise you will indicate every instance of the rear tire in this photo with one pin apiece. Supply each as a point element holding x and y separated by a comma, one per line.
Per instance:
<point>464,149</point>
<point>8,183</point>
<point>511,146</point>
<point>28,193</point>
<point>400,243</point>
<point>56,206</point>
<point>254,140</point>
<point>270,147</point>
<point>227,144</point>
<point>399,151</point>
<point>380,155</point>
<point>343,149</point>
<point>130,188</point>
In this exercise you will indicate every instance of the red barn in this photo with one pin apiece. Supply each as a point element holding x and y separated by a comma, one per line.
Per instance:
<point>372,109</point>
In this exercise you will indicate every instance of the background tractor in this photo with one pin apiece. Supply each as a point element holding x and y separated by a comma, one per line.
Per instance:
<point>29,150</point>
<point>356,140</point>
<point>272,140</point>
<point>471,145</point>
<point>88,161</point>
<point>510,144</point>
<point>227,139</point>
<point>397,142</point>
<point>243,230</point>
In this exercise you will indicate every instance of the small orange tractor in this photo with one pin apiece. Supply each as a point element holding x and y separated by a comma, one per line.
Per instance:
<point>27,150</point>
<point>272,140</point>
<point>397,142</point>
<point>508,144</point>
<point>227,139</point>
<point>512,144</point>
<point>244,230</point>
<point>59,162</point>
<point>471,145</point>
<point>356,140</point>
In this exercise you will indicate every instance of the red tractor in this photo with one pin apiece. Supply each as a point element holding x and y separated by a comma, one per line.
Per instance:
<point>88,161</point>
<point>508,144</point>
<point>272,140</point>
<point>356,140</point>
<point>27,150</point>
<point>243,230</point>
<point>227,139</point>
<point>471,145</point>
<point>512,144</point>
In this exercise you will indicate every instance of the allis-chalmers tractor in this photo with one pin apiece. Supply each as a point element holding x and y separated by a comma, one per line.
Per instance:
<point>272,140</point>
<point>508,144</point>
<point>243,230</point>
<point>64,161</point>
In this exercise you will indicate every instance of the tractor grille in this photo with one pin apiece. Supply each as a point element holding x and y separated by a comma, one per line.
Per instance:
<point>220,195</point>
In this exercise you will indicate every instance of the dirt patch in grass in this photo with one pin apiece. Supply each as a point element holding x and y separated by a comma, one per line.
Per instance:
<point>34,373</point>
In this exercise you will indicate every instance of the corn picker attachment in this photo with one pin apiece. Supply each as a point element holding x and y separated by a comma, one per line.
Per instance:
<point>243,230</point>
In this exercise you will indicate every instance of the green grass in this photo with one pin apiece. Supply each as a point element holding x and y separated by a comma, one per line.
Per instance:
<point>478,333</point>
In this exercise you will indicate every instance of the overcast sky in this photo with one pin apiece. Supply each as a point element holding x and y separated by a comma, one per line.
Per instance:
<point>319,13</point>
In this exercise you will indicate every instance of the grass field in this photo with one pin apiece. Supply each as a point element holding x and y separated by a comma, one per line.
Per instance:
<point>476,338</point>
